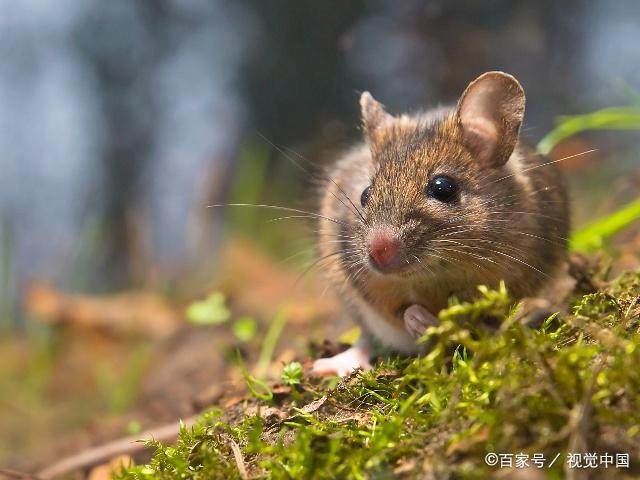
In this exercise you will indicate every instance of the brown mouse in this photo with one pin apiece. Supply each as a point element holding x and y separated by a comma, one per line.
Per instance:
<point>432,205</point>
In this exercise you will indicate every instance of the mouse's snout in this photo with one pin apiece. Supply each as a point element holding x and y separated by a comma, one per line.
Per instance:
<point>385,250</point>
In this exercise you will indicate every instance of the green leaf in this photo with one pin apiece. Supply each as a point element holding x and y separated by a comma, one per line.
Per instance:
<point>245,328</point>
<point>211,311</point>
<point>292,373</point>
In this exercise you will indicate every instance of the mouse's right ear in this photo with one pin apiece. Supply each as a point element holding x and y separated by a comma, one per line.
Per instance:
<point>489,115</point>
<point>374,116</point>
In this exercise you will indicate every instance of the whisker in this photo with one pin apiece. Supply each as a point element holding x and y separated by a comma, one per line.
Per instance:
<point>354,209</point>
<point>278,207</point>
<point>288,217</point>
<point>544,165</point>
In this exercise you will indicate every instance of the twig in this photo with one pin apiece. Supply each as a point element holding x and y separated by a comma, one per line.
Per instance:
<point>103,453</point>
<point>14,474</point>
<point>237,455</point>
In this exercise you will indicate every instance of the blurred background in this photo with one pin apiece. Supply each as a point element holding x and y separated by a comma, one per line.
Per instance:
<point>121,122</point>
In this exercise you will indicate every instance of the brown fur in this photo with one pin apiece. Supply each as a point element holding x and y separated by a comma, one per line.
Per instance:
<point>510,224</point>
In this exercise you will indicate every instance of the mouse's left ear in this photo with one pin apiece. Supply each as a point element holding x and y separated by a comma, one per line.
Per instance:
<point>489,114</point>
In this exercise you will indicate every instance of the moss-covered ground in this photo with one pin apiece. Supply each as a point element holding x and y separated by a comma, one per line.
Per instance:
<point>538,387</point>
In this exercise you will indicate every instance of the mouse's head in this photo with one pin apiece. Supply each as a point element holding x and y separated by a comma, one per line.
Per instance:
<point>435,192</point>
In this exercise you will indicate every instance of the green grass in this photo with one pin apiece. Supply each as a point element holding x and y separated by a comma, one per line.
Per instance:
<point>270,341</point>
<point>593,235</point>
<point>572,381</point>
<point>612,118</point>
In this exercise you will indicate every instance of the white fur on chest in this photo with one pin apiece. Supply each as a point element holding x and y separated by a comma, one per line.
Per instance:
<point>396,338</point>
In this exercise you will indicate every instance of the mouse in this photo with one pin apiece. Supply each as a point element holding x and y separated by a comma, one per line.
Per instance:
<point>430,205</point>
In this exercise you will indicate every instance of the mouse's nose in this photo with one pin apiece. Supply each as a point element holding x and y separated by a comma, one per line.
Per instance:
<point>384,247</point>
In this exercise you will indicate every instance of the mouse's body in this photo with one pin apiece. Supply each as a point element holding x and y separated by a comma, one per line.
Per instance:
<point>432,205</point>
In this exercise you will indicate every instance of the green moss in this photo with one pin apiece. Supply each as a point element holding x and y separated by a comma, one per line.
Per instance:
<point>571,385</point>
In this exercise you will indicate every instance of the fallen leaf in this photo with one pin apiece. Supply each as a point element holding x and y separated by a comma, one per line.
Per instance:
<point>315,405</point>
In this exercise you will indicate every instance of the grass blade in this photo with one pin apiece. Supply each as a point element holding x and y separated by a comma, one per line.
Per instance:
<point>270,341</point>
<point>592,236</point>
<point>612,118</point>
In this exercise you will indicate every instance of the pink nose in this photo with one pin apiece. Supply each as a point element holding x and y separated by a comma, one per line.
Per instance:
<point>383,248</point>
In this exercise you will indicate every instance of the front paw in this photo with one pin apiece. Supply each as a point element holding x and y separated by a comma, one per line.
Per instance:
<point>417,319</point>
<point>343,364</point>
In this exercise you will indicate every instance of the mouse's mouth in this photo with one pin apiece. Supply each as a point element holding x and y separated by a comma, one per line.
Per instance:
<point>400,266</point>
<point>396,264</point>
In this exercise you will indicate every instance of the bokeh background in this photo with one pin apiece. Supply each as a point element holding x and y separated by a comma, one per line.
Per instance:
<point>121,122</point>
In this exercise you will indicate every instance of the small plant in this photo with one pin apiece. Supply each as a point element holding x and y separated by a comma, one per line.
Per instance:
<point>256,387</point>
<point>292,373</point>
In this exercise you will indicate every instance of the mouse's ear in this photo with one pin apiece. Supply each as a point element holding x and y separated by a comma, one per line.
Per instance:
<point>374,116</point>
<point>490,113</point>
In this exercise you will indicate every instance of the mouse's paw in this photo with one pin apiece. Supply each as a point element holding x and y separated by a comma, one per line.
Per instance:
<point>417,319</point>
<point>343,364</point>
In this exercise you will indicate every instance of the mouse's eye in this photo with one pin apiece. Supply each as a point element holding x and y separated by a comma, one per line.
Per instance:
<point>442,188</point>
<point>364,198</point>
